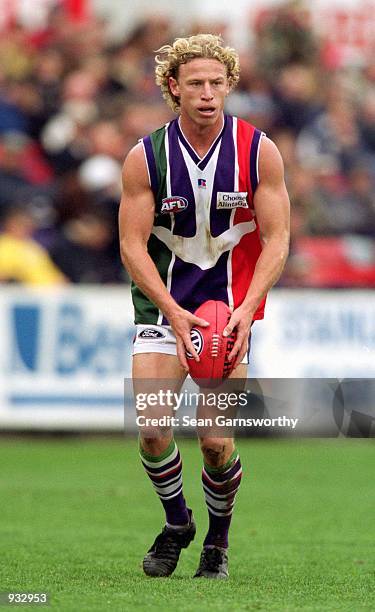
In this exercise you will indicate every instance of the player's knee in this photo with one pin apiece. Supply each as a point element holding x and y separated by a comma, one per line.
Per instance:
<point>155,446</point>
<point>214,450</point>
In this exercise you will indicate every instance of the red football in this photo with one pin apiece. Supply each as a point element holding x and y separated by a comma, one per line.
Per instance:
<point>212,347</point>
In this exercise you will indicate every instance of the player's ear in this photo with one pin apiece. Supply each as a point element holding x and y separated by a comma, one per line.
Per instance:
<point>173,86</point>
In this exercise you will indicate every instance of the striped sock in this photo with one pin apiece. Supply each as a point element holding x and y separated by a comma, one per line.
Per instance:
<point>165,472</point>
<point>220,487</point>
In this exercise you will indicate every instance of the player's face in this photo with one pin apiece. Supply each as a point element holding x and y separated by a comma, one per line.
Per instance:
<point>202,86</point>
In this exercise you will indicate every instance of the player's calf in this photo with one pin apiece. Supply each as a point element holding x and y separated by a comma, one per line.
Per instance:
<point>220,485</point>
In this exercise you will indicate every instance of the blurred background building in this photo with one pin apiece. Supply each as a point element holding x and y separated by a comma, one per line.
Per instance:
<point>76,92</point>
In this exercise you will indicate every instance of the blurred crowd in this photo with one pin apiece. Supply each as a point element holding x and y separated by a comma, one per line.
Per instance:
<point>73,102</point>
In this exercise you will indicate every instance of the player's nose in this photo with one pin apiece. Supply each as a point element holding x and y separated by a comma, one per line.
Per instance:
<point>207,92</point>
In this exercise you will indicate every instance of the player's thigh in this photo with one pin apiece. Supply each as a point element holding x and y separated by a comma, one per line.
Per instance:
<point>157,366</point>
<point>239,372</point>
<point>156,376</point>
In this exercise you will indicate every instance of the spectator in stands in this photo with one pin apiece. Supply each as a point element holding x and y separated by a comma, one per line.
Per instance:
<point>295,97</point>
<point>24,173</point>
<point>22,259</point>
<point>132,62</point>
<point>284,37</point>
<point>252,98</point>
<point>332,140</point>
<point>83,251</point>
<point>107,138</point>
<point>332,208</point>
<point>367,124</point>
<point>48,78</point>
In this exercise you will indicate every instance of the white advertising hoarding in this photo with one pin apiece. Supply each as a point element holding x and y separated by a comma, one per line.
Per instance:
<point>316,334</point>
<point>65,355</point>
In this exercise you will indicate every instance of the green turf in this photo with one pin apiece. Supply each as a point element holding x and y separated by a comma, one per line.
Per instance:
<point>77,516</point>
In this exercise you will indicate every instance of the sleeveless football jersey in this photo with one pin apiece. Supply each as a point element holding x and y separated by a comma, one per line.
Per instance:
<point>205,239</point>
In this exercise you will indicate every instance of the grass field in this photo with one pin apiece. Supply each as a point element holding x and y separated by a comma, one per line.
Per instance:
<point>78,515</point>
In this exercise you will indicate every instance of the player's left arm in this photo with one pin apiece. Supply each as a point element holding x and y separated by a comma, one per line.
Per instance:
<point>272,209</point>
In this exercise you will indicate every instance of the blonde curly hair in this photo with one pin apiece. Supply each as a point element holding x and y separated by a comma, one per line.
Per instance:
<point>210,46</point>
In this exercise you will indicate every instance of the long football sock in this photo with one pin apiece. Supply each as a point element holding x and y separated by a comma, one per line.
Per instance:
<point>220,487</point>
<point>165,472</point>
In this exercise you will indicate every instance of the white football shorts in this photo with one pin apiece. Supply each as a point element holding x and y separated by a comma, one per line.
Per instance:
<point>160,339</point>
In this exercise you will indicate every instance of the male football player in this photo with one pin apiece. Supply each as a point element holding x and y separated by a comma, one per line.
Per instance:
<point>204,215</point>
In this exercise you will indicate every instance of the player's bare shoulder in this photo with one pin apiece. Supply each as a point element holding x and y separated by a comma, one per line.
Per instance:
<point>271,199</point>
<point>271,165</point>
<point>137,202</point>
<point>134,173</point>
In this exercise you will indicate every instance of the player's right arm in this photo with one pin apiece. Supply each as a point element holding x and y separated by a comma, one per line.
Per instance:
<point>136,218</point>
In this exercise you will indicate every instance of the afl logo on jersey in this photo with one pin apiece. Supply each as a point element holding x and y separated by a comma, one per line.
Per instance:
<point>173,204</point>
<point>197,340</point>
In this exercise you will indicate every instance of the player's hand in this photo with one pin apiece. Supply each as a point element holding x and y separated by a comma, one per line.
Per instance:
<point>181,322</point>
<point>240,321</point>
